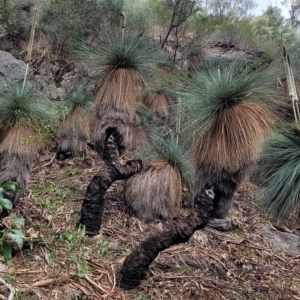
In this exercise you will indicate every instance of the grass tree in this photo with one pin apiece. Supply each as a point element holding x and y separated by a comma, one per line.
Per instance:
<point>231,116</point>
<point>123,66</point>
<point>279,170</point>
<point>278,174</point>
<point>230,112</point>
<point>22,114</point>
<point>195,57</point>
<point>76,126</point>
<point>156,191</point>
<point>158,98</point>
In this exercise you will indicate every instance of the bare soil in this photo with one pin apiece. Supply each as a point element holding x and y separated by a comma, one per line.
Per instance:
<point>60,263</point>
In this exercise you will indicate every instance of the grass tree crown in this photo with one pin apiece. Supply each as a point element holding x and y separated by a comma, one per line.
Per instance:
<point>230,113</point>
<point>279,173</point>
<point>220,87</point>
<point>22,105</point>
<point>109,51</point>
<point>78,98</point>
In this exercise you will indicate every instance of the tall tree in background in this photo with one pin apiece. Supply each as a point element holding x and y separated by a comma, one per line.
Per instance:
<point>174,15</point>
<point>222,9</point>
<point>294,10</point>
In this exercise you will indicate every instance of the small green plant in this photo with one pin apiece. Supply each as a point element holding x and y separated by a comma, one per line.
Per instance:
<point>13,232</point>
<point>141,296</point>
<point>103,245</point>
<point>75,245</point>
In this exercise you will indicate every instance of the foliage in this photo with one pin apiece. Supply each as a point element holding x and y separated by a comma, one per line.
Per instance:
<point>139,17</point>
<point>219,87</point>
<point>272,27</point>
<point>66,22</point>
<point>164,145</point>
<point>172,150</point>
<point>221,9</point>
<point>75,245</point>
<point>240,32</point>
<point>278,174</point>
<point>109,52</point>
<point>10,17</point>
<point>12,233</point>
<point>22,106</point>
<point>78,98</point>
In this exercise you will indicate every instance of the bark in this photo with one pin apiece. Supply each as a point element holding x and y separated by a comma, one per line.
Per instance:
<point>112,170</point>
<point>179,231</point>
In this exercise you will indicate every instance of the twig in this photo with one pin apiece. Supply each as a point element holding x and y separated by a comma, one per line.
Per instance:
<point>51,281</point>
<point>11,288</point>
<point>113,288</point>
<point>50,162</point>
<point>84,289</point>
<point>95,284</point>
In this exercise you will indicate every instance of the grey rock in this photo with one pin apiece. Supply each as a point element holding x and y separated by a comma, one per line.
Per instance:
<point>12,68</point>
<point>284,241</point>
<point>220,224</point>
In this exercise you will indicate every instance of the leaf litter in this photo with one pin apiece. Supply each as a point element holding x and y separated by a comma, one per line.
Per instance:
<point>59,262</point>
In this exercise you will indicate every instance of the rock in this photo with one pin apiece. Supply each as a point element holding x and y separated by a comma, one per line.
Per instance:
<point>12,68</point>
<point>46,85</point>
<point>114,245</point>
<point>3,267</point>
<point>284,241</point>
<point>220,224</point>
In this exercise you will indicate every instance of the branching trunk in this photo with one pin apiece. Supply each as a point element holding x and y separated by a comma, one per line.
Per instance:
<point>112,170</point>
<point>179,231</point>
<point>182,10</point>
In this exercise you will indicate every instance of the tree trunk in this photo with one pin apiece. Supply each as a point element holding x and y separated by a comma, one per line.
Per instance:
<point>137,263</point>
<point>111,170</point>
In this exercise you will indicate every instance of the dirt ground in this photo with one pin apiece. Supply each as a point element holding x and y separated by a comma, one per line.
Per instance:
<point>59,263</point>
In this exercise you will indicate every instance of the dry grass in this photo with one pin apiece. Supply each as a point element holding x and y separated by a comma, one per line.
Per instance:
<point>18,150</point>
<point>235,137</point>
<point>158,103</point>
<point>121,90</point>
<point>155,192</point>
<point>19,140</point>
<point>75,133</point>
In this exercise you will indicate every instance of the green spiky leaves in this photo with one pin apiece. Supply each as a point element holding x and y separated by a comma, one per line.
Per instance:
<point>175,153</point>
<point>79,98</point>
<point>219,87</point>
<point>109,52</point>
<point>279,174</point>
<point>22,105</point>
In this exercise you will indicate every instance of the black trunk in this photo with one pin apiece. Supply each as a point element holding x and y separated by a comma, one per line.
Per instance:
<point>179,231</point>
<point>224,183</point>
<point>112,170</point>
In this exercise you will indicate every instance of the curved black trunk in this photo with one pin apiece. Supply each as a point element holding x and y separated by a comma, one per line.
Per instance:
<point>179,231</point>
<point>112,170</point>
